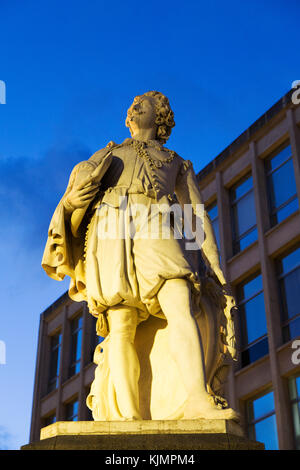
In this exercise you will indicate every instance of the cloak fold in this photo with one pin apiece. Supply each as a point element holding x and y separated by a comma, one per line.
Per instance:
<point>64,253</point>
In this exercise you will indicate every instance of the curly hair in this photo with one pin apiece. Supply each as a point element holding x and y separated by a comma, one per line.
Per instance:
<point>164,115</point>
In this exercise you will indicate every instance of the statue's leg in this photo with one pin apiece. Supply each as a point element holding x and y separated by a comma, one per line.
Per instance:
<point>186,349</point>
<point>123,361</point>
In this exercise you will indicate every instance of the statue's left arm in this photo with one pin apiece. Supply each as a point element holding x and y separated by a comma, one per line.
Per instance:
<point>188,192</point>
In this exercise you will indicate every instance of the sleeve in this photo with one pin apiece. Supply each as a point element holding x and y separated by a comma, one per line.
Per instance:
<point>189,196</point>
<point>63,254</point>
<point>57,260</point>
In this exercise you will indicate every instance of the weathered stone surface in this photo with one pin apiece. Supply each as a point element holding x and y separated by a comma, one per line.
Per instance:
<point>144,435</point>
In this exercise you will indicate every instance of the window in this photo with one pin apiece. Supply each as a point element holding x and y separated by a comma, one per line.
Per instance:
<point>294,388</point>
<point>212,211</point>
<point>281,185</point>
<point>254,341</point>
<point>55,348</point>
<point>72,411</point>
<point>243,214</point>
<point>76,340</point>
<point>49,420</point>
<point>288,272</point>
<point>262,421</point>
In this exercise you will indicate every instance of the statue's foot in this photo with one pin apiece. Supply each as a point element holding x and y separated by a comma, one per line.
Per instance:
<point>205,408</point>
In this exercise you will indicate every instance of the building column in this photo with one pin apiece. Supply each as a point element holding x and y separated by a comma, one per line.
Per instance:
<point>271,299</point>
<point>38,383</point>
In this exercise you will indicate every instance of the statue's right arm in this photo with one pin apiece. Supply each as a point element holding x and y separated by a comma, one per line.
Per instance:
<point>79,194</point>
<point>83,187</point>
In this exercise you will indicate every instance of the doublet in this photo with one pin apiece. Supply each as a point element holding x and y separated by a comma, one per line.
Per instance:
<point>152,170</point>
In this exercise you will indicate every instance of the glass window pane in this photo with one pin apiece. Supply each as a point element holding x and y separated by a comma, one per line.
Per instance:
<point>296,420</point>
<point>261,426</point>
<point>49,420</point>
<point>282,184</point>
<point>255,352</point>
<point>266,432</point>
<point>76,341</point>
<point>54,362</point>
<point>241,189</point>
<point>54,365</point>
<point>72,411</point>
<point>78,349</point>
<point>263,406</point>
<point>254,317</point>
<point>250,288</point>
<point>297,381</point>
<point>290,294</point>
<point>278,159</point>
<point>212,211</point>
<point>292,330</point>
<point>216,231</point>
<point>294,388</point>
<point>290,261</point>
<point>244,214</point>
<point>287,210</point>
<point>75,347</point>
<point>75,409</point>
<point>248,239</point>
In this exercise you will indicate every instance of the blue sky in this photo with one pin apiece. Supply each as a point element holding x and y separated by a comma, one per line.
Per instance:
<point>71,70</point>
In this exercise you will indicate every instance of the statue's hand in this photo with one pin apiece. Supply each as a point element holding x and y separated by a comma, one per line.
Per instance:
<point>81,195</point>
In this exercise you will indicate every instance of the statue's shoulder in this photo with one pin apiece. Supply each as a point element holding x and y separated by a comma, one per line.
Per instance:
<point>183,164</point>
<point>100,154</point>
<point>171,152</point>
<point>87,166</point>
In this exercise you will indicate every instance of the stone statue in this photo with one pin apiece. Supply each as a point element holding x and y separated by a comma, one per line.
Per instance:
<point>134,278</point>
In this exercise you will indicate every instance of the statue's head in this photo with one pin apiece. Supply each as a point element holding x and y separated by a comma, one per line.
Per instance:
<point>152,109</point>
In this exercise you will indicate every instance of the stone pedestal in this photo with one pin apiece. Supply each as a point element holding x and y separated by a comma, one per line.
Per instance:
<point>144,435</point>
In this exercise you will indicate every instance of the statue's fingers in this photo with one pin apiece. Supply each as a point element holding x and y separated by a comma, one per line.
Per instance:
<point>86,182</point>
<point>88,197</point>
<point>89,189</point>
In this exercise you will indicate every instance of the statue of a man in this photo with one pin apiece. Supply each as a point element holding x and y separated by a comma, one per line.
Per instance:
<point>128,276</point>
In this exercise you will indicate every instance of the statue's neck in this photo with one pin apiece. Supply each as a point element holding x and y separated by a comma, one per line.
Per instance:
<point>144,134</point>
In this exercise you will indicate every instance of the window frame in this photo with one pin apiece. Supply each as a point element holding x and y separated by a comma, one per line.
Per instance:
<point>210,206</point>
<point>233,203</point>
<point>73,368</point>
<point>294,401</point>
<point>52,382</point>
<point>251,422</point>
<point>285,320</point>
<point>242,319</point>
<point>72,403</point>
<point>273,211</point>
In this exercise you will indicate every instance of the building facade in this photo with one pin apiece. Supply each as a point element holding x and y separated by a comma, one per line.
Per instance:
<point>252,194</point>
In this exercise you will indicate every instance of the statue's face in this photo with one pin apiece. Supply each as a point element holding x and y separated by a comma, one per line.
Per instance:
<point>141,114</point>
